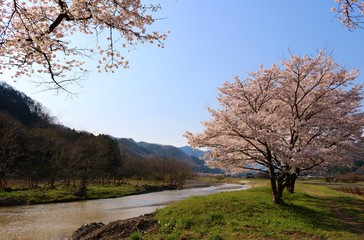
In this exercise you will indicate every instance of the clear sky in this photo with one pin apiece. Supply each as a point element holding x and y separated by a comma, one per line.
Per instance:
<point>167,91</point>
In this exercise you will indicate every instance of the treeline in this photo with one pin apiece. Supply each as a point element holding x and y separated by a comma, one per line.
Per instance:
<point>50,153</point>
<point>169,171</point>
<point>35,149</point>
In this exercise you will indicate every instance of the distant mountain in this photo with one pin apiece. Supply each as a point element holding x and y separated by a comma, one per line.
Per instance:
<point>143,149</point>
<point>197,154</point>
<point>168,151</point>
<point>129,147</point>
<point>192,152</point>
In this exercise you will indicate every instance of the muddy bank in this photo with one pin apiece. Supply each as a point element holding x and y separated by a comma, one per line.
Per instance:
<point>121,229</point>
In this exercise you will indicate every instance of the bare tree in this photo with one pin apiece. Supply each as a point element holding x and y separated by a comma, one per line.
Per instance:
<point>10,146</point>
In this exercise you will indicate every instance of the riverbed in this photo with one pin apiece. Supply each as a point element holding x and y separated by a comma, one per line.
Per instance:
<point>57,220</point>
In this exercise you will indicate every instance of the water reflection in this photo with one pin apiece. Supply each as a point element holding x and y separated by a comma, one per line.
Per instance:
<point>55,221</point>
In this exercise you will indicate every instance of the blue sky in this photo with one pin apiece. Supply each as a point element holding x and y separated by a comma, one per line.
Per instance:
<point>167,91</point>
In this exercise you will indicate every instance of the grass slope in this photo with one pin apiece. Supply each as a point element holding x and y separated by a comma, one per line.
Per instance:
<point>313,212</point>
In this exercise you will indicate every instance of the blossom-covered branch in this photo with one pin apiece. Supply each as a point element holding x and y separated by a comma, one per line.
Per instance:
<point>36,36</point>
<point>350,13</point>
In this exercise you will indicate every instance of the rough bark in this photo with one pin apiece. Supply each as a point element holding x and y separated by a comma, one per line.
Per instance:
<point>276,186</point>
<point>291,183</point>
<point>291,179</point>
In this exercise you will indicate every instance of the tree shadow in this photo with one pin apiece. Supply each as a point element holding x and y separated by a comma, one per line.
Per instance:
<point>349,211</point>
<point>345,213</point>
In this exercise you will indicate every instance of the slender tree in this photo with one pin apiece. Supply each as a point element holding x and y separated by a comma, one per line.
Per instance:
<point>285,120</point>
<point>11,146</point>
<point>38,36</point>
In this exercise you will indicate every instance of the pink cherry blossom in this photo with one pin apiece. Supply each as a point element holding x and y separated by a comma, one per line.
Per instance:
<point>35,35</point>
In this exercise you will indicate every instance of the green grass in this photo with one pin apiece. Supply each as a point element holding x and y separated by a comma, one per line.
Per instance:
<point>356,187</point>
<point>65,194</point>
<point>99,191</point>
<point>313,212</point>
<point>36,196</point>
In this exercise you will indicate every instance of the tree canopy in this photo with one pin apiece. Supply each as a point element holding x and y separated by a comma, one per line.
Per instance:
<point>285,120</point>
<point>36,36</point>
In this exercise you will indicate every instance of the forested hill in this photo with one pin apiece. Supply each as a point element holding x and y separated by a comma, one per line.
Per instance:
<point>34,148</point>
<point>21,107</point>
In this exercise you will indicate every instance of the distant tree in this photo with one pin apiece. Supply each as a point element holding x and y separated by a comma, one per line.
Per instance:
<point>122,172</point>
<point>83,155</point>
<point>108,157</point>
<point>38,36</point>
<point>69,168</point>
<point>285,120</point>
<point>350,13</point>
<point>54,149</point>
<point>175,172</point>
<point>41,159</point>
<point>11,146</point>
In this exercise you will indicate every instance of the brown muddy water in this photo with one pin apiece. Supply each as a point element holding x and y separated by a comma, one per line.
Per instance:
<point>58,220</point>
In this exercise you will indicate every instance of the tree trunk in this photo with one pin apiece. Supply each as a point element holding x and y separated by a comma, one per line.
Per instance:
<point>52,180</point>
<point>83,188</point>
<point>277,191</point>
<point>51,183</point>
<point>2,183</point>
<point>68,182</point>
<point>291,180</point>
<point>276,186</point>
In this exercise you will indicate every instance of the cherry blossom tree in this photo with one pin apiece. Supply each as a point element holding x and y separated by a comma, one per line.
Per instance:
<point>350,13</point>
<point>37,36</point>
<point>285,120</point>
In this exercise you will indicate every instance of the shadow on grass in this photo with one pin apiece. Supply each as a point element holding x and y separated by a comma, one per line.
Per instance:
<point>338,214</point>
<point>350,212</point>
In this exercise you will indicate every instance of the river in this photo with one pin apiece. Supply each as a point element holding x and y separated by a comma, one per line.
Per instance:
<point>57,220</point>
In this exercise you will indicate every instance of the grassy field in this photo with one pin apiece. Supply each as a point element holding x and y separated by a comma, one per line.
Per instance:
<point>313,212</point>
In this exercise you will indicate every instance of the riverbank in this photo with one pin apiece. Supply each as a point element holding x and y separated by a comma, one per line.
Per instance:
<point>62,193</point>
<point>69,194</point>
<point>313,212</point>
